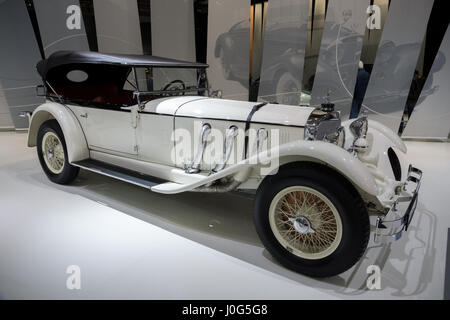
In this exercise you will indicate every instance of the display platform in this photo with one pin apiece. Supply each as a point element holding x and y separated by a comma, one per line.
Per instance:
<point>130,243</point>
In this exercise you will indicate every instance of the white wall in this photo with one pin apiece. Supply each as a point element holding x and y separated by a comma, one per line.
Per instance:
<point>19,54</point>
<point>5,115</point>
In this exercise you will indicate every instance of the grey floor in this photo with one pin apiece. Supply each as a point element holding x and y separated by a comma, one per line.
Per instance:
<point>131,243</point>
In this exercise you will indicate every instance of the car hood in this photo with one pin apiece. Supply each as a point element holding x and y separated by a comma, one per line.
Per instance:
<point>232,110</point>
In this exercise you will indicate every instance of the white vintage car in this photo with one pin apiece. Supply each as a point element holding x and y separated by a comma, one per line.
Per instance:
<point>153,122</point>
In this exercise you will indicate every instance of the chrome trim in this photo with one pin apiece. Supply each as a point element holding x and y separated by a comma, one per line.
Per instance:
<point>323,126</point>
<point>261,136</point>
<point>391,227</point>
<point>195,165</point>
<point>230,136</point>
<point>136,182</point>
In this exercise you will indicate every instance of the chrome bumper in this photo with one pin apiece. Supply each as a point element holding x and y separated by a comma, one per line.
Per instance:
<point>390,229</point>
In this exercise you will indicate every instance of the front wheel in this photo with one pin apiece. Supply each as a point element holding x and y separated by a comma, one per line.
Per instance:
<point>52,153</point>
<point>311,220</point>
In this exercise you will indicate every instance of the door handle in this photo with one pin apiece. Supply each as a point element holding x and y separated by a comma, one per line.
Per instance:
<point>84,115</point>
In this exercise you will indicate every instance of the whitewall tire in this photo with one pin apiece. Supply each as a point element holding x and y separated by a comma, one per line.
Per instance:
<point>52,153</point>
<point>311,220</point>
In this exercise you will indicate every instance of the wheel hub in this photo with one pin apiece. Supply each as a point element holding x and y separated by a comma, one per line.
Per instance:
<point>53,152</point>
<point>302,225</point>
<point>305,222</point>
<point>50,154</point>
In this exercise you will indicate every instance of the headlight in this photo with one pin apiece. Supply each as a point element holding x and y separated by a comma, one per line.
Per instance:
<point>359,127</point>
<point>359,130</point>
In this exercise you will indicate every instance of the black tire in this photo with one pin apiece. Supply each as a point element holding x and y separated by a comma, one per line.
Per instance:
<point>69,172</point>
<point>348,203</point>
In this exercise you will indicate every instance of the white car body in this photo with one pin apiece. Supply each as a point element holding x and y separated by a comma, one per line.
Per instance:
<point>110,136</point>
<point>180,143</point>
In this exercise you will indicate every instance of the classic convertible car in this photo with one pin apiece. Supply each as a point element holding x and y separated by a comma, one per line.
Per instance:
<point>315,180</point>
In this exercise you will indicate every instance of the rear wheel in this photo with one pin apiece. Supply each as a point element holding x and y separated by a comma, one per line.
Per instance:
<point>288,90</point>
<point>52,153</point>
<point>311,220</point>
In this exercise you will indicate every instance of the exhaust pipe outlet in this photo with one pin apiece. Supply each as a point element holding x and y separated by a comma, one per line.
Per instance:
<point>195,165</point>
<point>231,133</point>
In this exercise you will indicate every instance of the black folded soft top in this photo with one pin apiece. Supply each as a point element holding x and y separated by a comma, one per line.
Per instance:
<point>61,58</point>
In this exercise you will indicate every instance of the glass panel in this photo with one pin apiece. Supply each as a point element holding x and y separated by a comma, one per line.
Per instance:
<point>117,24</point>
<point>340,52</point>
<point>179,80</point>
<point>228,53</point>
<point>18,57</point>
<point>431,115</point>
<point>173,36</point>
<point>53,21</point>
<point>284,51</point>
<point>396,60</point>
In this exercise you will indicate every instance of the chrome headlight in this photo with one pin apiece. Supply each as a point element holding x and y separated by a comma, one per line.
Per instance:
<point>359,127</point>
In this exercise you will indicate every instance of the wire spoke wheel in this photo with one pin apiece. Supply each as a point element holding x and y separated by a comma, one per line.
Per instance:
<point>305,222</point>
<point>53,152</point>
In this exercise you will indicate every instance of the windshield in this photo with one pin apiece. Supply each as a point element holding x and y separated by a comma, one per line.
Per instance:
<point>156,82</point>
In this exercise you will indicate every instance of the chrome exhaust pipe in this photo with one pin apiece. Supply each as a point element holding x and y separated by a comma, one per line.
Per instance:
<point>231,134</point>
<point>195,165</point>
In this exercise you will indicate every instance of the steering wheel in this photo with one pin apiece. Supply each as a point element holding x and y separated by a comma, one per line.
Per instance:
<point>174,85</point>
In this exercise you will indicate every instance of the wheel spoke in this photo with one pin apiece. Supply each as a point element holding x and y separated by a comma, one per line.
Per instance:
<point>322,229</point>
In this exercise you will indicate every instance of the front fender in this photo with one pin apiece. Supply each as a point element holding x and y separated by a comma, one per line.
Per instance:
<point>77,148</point>
<point>328,154</point>
<point>390,135</point>
<point>381,138</point>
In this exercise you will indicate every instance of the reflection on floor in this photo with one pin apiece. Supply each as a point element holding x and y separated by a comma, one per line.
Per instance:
<point>131,243</point>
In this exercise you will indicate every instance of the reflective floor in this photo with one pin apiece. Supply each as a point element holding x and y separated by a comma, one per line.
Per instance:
<point>134,244</point>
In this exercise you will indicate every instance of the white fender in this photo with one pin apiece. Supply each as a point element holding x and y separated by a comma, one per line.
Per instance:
<point>339,159</point>
<point>77,148</point>
<point>331,155</point>
<point>395,140</point>
<point>381,138</point>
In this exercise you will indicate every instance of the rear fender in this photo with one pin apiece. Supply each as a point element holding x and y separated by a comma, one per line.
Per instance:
<point>77,148</point>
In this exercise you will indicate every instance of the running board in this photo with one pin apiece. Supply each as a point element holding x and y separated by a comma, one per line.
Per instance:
<point>119,173</point>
